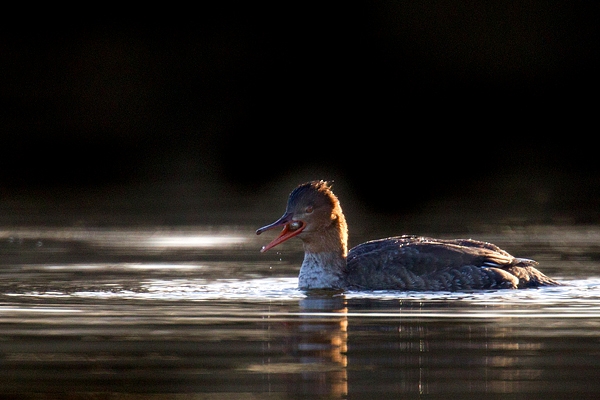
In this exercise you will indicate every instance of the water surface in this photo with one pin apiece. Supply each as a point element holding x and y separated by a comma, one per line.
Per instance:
<point>163,311</point>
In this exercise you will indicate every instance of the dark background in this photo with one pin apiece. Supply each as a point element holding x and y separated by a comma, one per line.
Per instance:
<point>422,100</point>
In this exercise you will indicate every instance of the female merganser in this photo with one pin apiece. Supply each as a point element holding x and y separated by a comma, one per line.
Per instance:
<point>404,262</point>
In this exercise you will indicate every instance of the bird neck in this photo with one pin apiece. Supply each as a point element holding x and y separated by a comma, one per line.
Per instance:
<point>325,251</point>
<point>323,270</point>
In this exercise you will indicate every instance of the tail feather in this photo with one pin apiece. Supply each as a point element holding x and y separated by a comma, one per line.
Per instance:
<point>529,276</point>
<point>525,262</point>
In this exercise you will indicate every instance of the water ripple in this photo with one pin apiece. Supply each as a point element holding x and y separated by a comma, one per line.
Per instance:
<point>577,299</point>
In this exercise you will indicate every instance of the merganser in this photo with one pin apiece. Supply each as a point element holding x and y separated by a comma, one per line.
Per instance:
<point>410,263</point>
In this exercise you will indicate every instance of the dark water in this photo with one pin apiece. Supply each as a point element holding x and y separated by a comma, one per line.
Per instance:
<point>197,312</point>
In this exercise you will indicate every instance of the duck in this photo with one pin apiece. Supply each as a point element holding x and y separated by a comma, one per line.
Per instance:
<point>406,263</point>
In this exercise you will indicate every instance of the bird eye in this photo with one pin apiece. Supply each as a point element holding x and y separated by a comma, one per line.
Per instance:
<point>309,209</point>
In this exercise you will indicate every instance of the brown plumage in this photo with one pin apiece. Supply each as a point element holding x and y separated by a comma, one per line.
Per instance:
<point>315,216</point>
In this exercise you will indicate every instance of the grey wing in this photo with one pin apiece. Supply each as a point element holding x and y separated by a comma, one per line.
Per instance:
<point>420,263</point>
<point>523,269</point>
